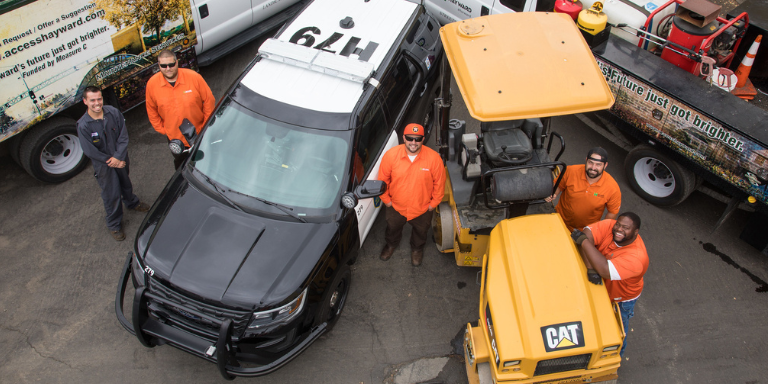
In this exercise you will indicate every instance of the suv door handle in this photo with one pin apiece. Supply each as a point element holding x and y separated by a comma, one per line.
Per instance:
<point>203,11</point>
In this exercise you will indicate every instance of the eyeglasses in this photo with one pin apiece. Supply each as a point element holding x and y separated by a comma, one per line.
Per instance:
<point>171,65</point>
<point>417,139</point>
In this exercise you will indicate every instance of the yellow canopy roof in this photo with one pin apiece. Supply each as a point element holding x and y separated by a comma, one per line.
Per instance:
<point>523,65</point>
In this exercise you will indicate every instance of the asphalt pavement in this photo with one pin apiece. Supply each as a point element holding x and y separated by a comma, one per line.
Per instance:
<point>701,318</point>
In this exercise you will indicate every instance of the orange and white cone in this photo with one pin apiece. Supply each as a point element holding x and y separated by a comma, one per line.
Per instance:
<point>744,87</point>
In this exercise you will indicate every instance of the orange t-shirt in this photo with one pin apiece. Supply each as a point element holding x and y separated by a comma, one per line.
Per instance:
<point>168,106</point>
<point>629,261</point>
<point>412,186</point>
<point>581,203</point>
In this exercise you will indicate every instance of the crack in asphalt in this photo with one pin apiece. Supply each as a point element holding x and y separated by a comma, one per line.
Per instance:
<point>26,339</point>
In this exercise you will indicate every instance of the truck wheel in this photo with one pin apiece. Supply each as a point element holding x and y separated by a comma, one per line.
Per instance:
<point>656,178</point>
<point>335,297</point>
<point>442,227</point>
<point>51,152</point>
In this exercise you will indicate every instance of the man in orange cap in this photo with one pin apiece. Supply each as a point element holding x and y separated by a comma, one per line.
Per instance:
<point>415,178</point>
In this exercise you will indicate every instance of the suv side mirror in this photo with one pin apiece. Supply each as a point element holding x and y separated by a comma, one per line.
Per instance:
<point>371,188</point>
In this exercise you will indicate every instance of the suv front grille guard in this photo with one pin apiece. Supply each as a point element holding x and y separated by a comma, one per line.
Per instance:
<point>562,364</point>
<point>151,332</point>
<point>194,315</point>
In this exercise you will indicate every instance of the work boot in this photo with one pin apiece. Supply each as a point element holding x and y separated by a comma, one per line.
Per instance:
<point>416,257</point>
<point>387,252</point>
<point>118,235</point>
<point>141,207</point>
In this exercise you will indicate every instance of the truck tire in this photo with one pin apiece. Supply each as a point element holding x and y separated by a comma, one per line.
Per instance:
<point>656,178</point>
<point>50,151</point>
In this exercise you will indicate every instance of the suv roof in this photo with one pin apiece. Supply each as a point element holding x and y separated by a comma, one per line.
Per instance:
<point>320,61</point>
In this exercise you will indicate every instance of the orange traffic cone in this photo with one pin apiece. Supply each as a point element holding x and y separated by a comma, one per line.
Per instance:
<point>744,87</point>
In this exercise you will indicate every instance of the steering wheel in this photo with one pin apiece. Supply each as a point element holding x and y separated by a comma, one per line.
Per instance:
<point>507,158</point>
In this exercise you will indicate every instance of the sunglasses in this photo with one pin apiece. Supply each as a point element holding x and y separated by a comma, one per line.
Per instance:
<point>171,65</point>
<point>417,139</point>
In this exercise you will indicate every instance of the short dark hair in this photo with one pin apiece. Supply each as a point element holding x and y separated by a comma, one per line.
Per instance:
<point>166,53</point>
<point>91,89</point>
<point>632,216</point>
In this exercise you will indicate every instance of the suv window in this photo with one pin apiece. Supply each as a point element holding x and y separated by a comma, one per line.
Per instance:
<point>373,135</point>
<point>397,86</point>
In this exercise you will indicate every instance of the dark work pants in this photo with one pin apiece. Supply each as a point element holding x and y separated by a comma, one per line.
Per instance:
<point>395,223</point>
<point>116,189</point>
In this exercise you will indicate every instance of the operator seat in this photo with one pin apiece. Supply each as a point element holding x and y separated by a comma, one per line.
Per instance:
<point>509,142</point>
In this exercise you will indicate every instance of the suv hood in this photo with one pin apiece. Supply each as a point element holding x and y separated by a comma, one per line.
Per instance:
<point>196,244</point>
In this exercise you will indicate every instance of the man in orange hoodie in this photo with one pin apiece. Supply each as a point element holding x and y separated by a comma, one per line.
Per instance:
<point>175,94</point>
<point>415,177</point>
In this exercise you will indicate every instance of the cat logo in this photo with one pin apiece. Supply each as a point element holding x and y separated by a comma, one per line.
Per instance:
<point>563,336</point>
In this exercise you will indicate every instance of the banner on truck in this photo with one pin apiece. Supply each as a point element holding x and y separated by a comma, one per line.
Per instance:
<point>50,50</point>
<point>739,160</point>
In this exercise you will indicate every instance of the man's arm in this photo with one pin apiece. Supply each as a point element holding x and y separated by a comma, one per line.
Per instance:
<point>438,183</point>
<point>595,259</point>
<point>614,203</point>
<point>152,112</point>
<point>121,147</point>
<point>385,175</point>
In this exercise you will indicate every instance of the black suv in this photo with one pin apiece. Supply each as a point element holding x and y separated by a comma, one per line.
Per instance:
<point>243,260</point>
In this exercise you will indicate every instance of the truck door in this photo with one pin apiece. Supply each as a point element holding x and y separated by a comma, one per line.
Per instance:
<point>264,9</point>
<point>218,20</point>
<point>375,138</point>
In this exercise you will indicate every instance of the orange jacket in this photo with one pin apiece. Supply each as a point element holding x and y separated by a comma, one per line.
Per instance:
<point>168,106</point>
<point>412,187</point>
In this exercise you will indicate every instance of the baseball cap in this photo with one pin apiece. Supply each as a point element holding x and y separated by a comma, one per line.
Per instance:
<point>600,153</point>
<point>413,129</point>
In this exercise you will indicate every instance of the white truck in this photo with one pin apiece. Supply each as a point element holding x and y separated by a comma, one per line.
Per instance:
<point>50,50</point>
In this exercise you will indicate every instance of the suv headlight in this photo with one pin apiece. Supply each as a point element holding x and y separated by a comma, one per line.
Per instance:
<point>278,315</point>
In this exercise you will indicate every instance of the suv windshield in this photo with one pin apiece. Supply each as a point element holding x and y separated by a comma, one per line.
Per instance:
<point>284,164</point>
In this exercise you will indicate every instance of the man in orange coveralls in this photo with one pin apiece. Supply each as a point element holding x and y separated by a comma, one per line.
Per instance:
<point>415,178</point>
<point>175,94</point>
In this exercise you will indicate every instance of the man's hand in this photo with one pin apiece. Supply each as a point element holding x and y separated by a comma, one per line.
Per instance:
<point>115,163</point>
<point>549,199</point>
<point>594,277</point>
<point>389,205</point>
<point>578,236</point>
<point>429,208</point>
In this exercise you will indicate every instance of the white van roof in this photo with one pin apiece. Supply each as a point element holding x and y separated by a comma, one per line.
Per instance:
<point>327,80</point>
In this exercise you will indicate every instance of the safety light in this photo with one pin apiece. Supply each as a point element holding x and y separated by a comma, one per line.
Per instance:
<point>611,348</point>
<point>511,363</point>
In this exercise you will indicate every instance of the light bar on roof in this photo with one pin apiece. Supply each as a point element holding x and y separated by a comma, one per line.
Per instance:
<point>316,60</point>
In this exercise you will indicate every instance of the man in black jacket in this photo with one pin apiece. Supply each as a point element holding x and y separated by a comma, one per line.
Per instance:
<point>104,140</point>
